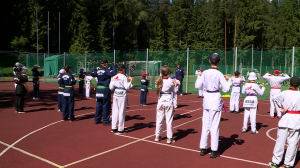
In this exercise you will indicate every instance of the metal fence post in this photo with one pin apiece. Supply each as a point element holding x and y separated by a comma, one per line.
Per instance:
<point>64,58</point>
<point>293,61</point>
<point>85,60</point>
<point>260,62</point>
<point>114,57</point>
<point>235,60</point>
<point>44,66</point>
<point>147,59</point>
<point>187,70</point>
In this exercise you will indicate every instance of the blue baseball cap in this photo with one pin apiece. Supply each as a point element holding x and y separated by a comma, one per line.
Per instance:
<point>172,77</point>
<point>214,58</point>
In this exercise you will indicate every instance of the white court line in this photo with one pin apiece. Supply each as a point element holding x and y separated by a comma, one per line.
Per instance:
<point>90,157</point>
<point>268,133</point>
<point>35,132</point>
<point>229,157</point>
<point>30,154</point>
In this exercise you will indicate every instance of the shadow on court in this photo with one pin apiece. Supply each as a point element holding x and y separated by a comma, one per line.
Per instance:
<point>183,133</point>
<point>85,117</point>
<point>39,110</point>
<point>139,126</point>
<point>178,116</point>
<point>135,117</point>
<point>227,142</point>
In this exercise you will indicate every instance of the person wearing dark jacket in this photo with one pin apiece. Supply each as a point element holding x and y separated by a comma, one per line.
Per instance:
<point>20,79</point>
<point>81,80</point>
<point>36,79</point>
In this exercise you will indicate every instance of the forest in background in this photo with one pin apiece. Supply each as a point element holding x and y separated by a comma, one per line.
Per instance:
<point>128,25</point>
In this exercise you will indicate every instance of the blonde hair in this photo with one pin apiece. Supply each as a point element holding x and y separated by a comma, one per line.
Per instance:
<point>165,72</point>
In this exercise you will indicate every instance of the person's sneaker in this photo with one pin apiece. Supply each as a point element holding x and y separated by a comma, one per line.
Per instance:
<point>273,165</point>
<point>107,124</point>
<point>58,110</point>
<point>236,112</point>
<point>203,152</point>
<point>231,111</point>
<point>286,166</point>
<point>272,117</point>
<point>114,130</point>
<point>21,112</point>
<point>144,105</point>
<point>214,154</point>
<point>157,139</point>
<point>33,98</point>
<point>180,94</point>
<point>254,132</point>
<point>37,98</point>
<point>121,132</point>
<point>244,130</point>
<point>199,97</point>
<point>170,140</point>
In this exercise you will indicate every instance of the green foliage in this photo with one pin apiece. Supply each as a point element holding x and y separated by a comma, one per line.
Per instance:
<point>19,44</point>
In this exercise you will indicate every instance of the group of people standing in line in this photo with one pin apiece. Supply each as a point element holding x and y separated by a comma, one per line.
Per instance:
<point>112,79</point>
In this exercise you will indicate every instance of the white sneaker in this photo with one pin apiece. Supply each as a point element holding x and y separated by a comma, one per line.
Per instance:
<point>244,130</point>
<point>170,140</point>
<point>58,110</point>
<point>180,94</point>
<point>33,98</point>
<point>21,112</point>
<point>157,139</point>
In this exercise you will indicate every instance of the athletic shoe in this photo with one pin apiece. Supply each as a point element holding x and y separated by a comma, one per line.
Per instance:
<point>37,98</point>
<point>121,132</point>
<point>231,111</point>
<point>199,97</point>
<point>114,130</point>
<point>278,117</point>
<point>255,132</point>
<point>214,154</point>
<point>21,112</point>
<point>272,117</point>
<point>157,139</point>
<point>180,94</point>
<point>144,105</point>
<point>203,152</point>
<point>33,98</point>
<point>170,140</point>
<point>58,110</point>
<point>286,166</point>
<point>244,130</point>
<point>107,124</point>
<point>273,165</point>
<point>89,97</point>
<point>236,112</point>
<point>97,122</point>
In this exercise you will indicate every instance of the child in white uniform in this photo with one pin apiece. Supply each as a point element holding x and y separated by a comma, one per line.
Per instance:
<point>176,90</point>
<point>236,81</point>
<point>288,125</point>
<point>201,91</point>
<point>120,84</point>
<point>88,82</point>
<point>251,89</point>
<point>213,80</point>
<point>165,87</point>
<point>275,82</point>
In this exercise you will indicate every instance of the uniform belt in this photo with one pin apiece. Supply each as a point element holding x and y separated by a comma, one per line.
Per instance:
<point>68,86</point>
<point>25,87</point>
<point>216,91</point>
<point>144,85</point>
<point>61,87</point>
<point>236,85</point>
<point>81,79</point>
<point>120,88</point>
<point>102,87</point>
<point>275,87</point>
<point>164,93</point>
<point>293,112</point>
<point>251,94</point>
<point>178,76</point>
<point>36,77</point>
<point>88,82</point>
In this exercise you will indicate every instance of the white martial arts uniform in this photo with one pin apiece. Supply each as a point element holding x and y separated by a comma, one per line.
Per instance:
<point>251,89</point>
<point>288,127</point>
<point>88,80</point>
<point>212,80</point>
<point>174,95</point>
<point>165,108</point>
<point>275,83</point>
<point>121,85</point>
<point>235,93</point>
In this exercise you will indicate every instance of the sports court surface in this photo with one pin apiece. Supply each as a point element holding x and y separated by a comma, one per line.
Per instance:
<point>40,138</point>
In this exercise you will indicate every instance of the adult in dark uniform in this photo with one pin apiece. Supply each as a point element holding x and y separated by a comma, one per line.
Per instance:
<point>144,89</point>
<point>179,73</point>
<point>61,87</point>
<point>69,81</point>
<point>20,90</point>
<point>81,81</point>
<point>103,94</point>
<point>36,79</point>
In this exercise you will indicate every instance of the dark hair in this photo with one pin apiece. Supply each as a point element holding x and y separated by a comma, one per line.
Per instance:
<point>178,64</point>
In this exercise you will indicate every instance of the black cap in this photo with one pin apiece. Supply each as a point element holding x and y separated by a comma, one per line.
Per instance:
<point>295,81</point>
<point>236,73</point>
<point>103,61</point>
<point>214,58</point>
<point>67,67</point>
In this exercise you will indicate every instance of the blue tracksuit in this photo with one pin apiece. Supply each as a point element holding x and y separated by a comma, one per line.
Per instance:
<point>60,99</point>
<point>68,81</point>
<point>103,93</point>
<point>179,73</point>
<point>81,82</point>
<point>36,79</point>
<point>144,90</point>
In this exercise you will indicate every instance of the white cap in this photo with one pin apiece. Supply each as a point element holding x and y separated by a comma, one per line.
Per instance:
<point>252,76</point>
<point>62,71</point>
<point>18,64</point>
<point>81,68</point>
<point>24,70</point>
